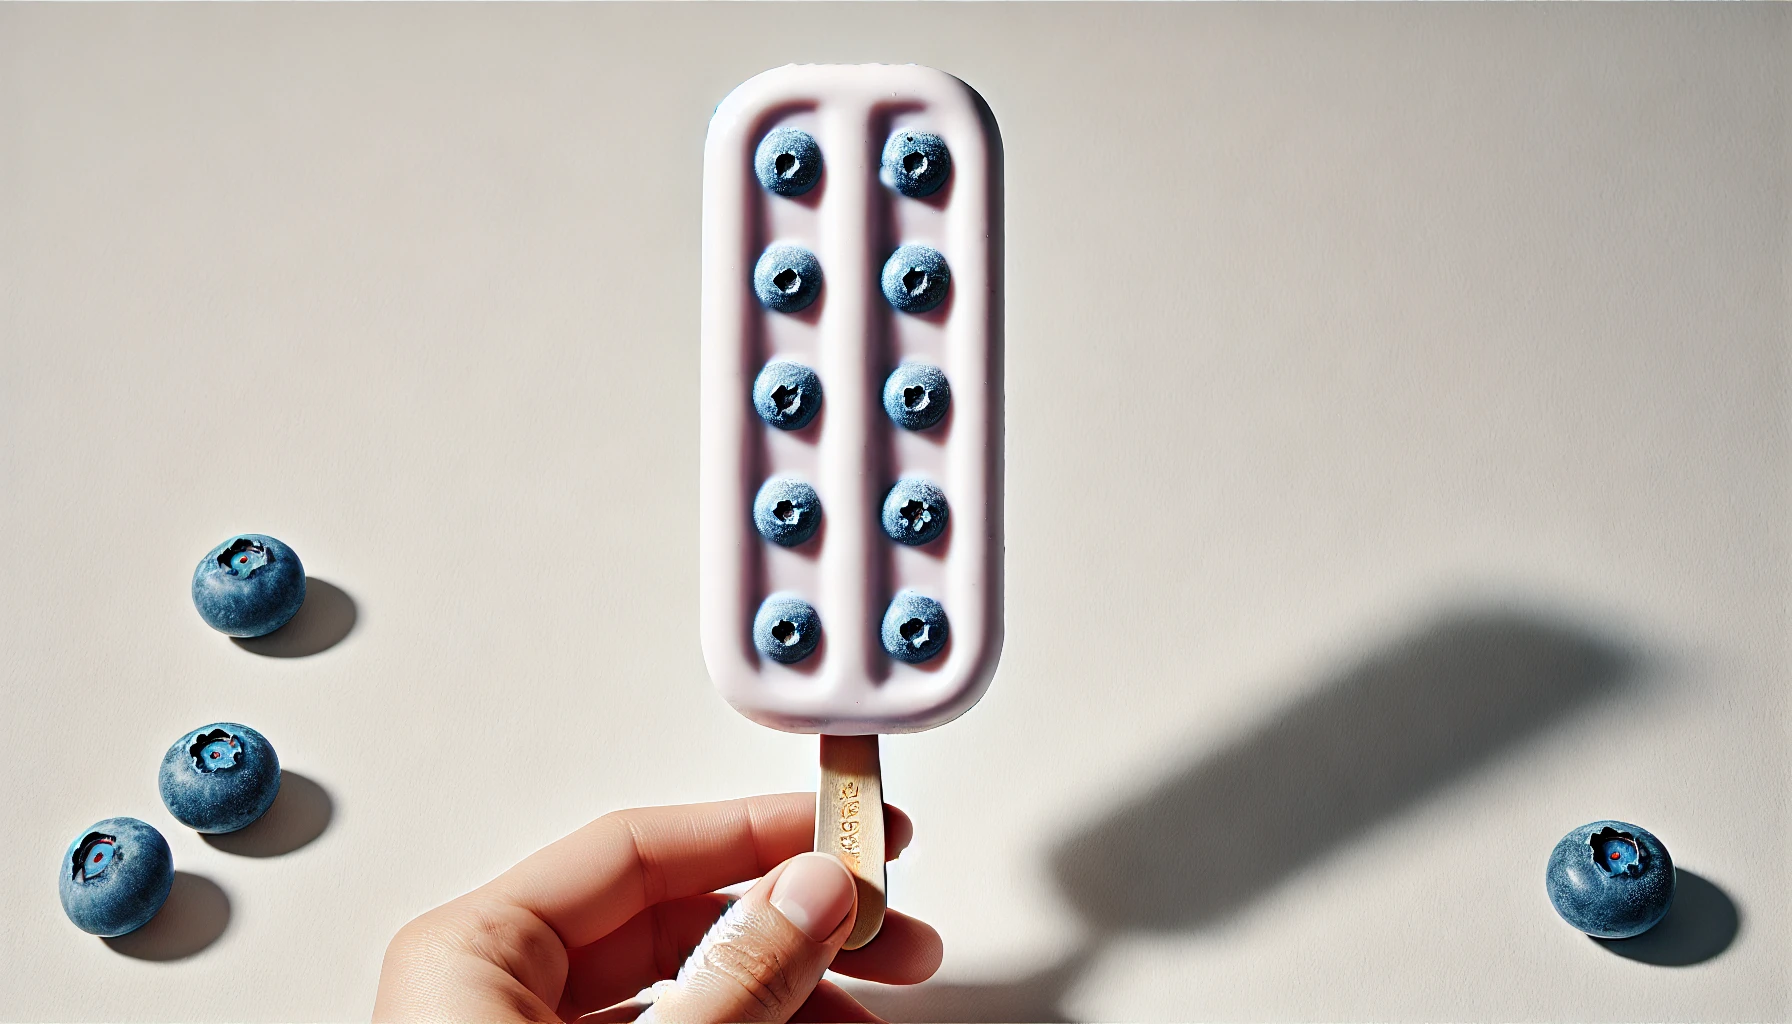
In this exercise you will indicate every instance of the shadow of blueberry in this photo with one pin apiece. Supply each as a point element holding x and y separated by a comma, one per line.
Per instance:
<point>195,916</point>
<point>323,621</point>
<point>1700,924</point>
<point>300,813</point>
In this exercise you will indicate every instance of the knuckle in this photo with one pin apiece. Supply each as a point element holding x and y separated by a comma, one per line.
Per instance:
<point>623,829</point>
<point>418,936</point>
<point>496,932</point>
<point>418,948</point>
<point>507,935</point>
<point>759,970</point>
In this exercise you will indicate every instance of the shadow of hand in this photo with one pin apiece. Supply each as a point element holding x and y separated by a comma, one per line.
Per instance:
<point>1361,747</point>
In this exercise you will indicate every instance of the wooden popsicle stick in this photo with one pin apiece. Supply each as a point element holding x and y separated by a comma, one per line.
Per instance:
<point>849,823</point>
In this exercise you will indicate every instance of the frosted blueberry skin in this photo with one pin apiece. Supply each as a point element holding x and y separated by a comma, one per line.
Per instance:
<point>786,511</point>
<point>915,278</point>
<point>787,394</point>
<point>916,164</point>
<point>787,278</point>
<point>916,396</point>
<point>219,777</point>
<point>115,876</point>
<point>1610,879</point>
<point>914,627</point>
<point>250,585</point>
<point>915,511</point>
<point>786,629</point>
<point>788,162</point>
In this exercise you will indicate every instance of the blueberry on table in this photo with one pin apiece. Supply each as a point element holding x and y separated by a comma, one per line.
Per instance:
<point>788,162</point>
<point>786,511</point>
<point>915,511</point>
<point>916,164</point>
<point>914,627</point>
<point>915,278</point>
<point>1610,879</point>
<point>787,278</point>
<point>220,777</point>
<point>916,396</point>
<point>787,394</point>
<point>250,585</point>
<point>115,876</point>
<point>786,629</point>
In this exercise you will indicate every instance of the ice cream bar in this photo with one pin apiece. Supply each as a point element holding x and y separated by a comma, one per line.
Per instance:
<point>851,450</point>
<point>851,544</point>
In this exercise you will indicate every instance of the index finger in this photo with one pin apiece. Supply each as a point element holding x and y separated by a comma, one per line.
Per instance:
<point>588,884</point>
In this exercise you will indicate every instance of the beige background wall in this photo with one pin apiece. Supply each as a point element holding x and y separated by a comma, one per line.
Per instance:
<point>1398,477</point>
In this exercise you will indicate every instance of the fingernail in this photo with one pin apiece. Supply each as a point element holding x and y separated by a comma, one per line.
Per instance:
<point>814,893</point>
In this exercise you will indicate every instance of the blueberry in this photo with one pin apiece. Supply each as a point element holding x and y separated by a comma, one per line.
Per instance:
<point>787,278</point>
<point>915,278</point>
<point>788,162</point>
<point>250,585</point>
<point>915,627</point>
<point>787,394</point>
<point>115,876</point>
<point>220,777</point>
<point>786,629</point>
<point>786,511</point>
<point>1610,879</point>
<point>916,396</point>
<point>916,164</point>
<point>915,511</point>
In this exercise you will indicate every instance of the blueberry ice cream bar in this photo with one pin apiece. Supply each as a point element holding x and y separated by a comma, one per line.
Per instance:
<point>851,453</point>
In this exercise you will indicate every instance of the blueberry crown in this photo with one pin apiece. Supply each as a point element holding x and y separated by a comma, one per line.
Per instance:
<point>92,854</point>
<point>917,632</point>
<point>244,556</point>
<point>214,750</point>
<point>1617,852</point>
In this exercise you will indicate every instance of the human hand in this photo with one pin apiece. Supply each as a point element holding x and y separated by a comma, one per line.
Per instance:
<point>619,905</point>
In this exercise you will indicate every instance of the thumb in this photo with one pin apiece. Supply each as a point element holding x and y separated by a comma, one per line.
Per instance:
<point>766,954</point>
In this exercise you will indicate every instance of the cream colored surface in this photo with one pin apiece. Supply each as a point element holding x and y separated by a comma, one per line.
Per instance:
<point>1398,476</point>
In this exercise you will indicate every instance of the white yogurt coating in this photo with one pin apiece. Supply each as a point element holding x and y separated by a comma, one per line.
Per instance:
<point>852,453</point>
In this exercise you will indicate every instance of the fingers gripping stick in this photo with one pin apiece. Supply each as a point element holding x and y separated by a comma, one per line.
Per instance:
<point>851,448</point>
